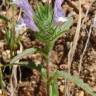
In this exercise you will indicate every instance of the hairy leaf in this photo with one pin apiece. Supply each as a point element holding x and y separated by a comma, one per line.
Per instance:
<point>24,53</point>
<point>76,80</point>
<point>54,89</point>
<point>49,31</point>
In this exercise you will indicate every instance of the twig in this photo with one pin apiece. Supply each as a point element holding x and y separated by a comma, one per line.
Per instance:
<point>76,38</point>
<point>86,45</point>
<point>89,33</point>
<point>19,16</point>
<point>74,45</point>
<point>86,14</point>
<point>14,71</point>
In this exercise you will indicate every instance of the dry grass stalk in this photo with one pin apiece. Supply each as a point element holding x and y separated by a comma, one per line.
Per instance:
<point>73,47</point>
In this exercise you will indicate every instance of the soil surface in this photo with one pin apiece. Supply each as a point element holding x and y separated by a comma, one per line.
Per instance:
<point>84,59</point>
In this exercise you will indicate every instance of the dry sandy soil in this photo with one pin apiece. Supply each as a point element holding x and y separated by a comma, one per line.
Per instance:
<point>84,57</point>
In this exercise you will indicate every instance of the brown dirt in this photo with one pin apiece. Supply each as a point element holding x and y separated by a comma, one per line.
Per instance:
<point>31,84</point>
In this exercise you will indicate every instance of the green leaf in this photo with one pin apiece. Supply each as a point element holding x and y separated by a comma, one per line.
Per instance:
<point>11,39</point>
<point>76,80</point>
<point>58,31</point>
<point>54,88</point>
<point>66,26</point>
<point>4,18</point>
<point>44,74</point>
<point>32,65</point>
<point>1,79</point>
<point>43,17</point>
<point>24,53</point>
<point>49,32</point>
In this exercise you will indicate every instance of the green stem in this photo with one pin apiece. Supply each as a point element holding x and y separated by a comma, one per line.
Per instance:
<point>48,79</point>
<point>1,78</point>
<point>48,67</point>
<point>50,45</point>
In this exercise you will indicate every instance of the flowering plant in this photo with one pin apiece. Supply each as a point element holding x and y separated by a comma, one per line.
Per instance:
<point>48,24</point>
<point>45,21</point>
<point>59,15</point>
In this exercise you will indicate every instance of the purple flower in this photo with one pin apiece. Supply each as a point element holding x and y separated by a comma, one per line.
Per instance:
<point>59,15</point>
<point>30,23</point>
<point>28,13</point>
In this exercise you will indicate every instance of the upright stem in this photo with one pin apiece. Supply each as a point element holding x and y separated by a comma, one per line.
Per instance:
<point>48,67</point>
<point>48,72</point>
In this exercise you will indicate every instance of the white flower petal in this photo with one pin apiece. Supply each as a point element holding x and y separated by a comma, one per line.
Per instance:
<point>62,19</point>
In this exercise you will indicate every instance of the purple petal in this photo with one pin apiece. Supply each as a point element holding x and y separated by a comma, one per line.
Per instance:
<point>25,6</point>
<point>59,15</point>
<point>28,13</point>
<point>30,23</point>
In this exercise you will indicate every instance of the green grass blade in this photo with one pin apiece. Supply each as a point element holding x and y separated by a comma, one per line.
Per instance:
<point>4,18</point>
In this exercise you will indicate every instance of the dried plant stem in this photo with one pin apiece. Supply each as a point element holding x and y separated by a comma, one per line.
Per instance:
<point>86,14</point>
<point>20,74</point>
<point>11,89</point>
<point>74,45</point>
<point>81,58</point>
<point>76,38</point>
<point>13,81</point>
<point>19,16</point>
<point>89,33</point>
<point>14,73</point>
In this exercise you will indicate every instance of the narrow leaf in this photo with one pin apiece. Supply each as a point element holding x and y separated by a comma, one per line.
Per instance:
<point>24,53</point>
<point>44,74</point>
<point>54,89</point>
<point>4,18</point>
<point>76,80</point>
